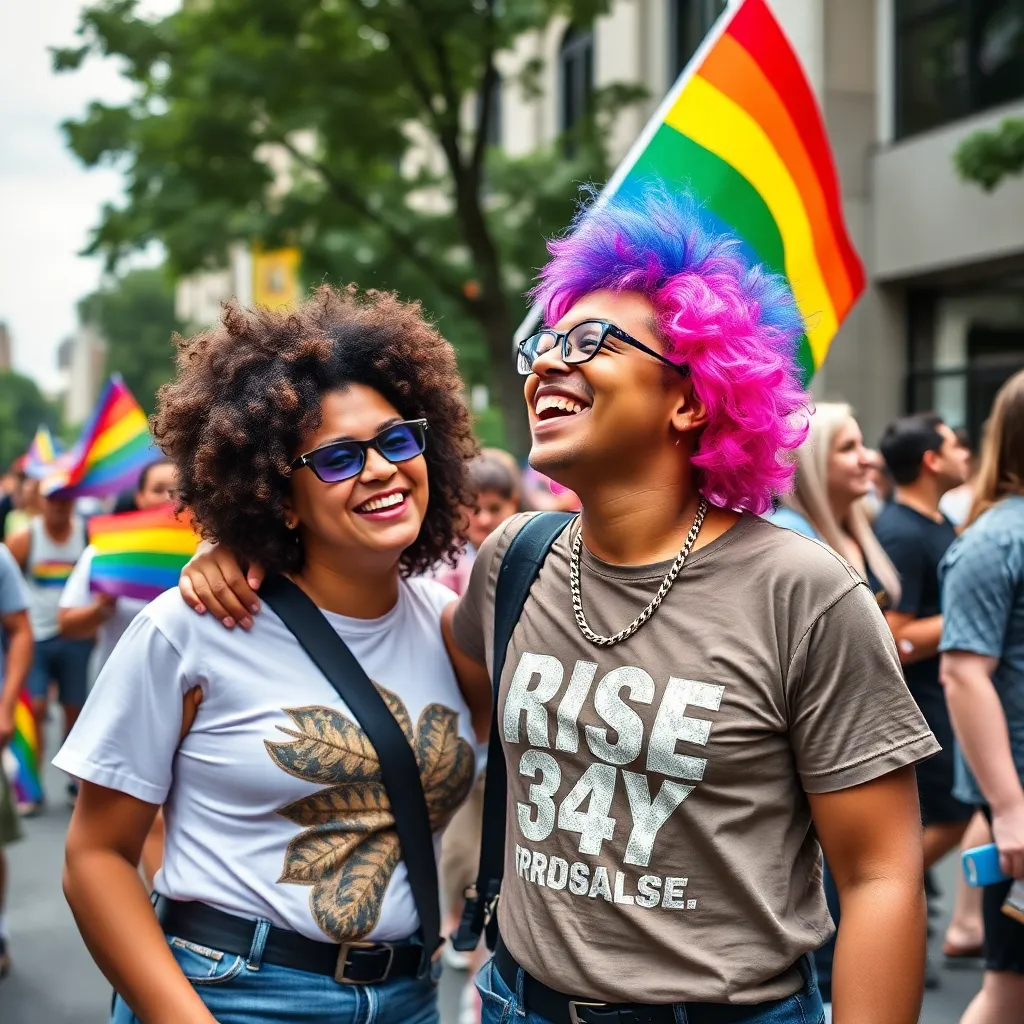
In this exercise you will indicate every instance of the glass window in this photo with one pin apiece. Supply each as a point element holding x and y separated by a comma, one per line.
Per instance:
<point>577,75</point>
<point>964,344</point>
<point>955,57</point>
<point>689,22</point>
<point>998,59</point>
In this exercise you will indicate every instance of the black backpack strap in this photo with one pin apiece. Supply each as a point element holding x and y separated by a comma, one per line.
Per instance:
<point>398,768</point>
<point>519,568</point>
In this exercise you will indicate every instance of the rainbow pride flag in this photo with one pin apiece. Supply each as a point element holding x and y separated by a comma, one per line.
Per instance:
<point>28,788</point>
<point>140,554</point>
<point>114,447</point>
<point>41,453</point>
<point>742,131</point>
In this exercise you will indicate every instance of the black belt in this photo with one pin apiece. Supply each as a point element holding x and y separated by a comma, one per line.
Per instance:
<point>351,963</point>
<point>562,1009</point>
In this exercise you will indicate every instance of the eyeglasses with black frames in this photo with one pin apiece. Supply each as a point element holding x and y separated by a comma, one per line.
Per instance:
<point>580,344</point>
<point>342,460</point>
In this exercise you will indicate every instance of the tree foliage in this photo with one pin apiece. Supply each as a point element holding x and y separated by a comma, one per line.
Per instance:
<point>988,157</point>
<point>23,409</point>
<point>134,313</point>
<point>379,114</point>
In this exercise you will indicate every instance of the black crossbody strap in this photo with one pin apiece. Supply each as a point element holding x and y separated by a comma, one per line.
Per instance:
<point>519,568</point>
<point>398,768</point>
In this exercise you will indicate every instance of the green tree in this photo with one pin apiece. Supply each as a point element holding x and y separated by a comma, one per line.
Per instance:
<point>23,409</point>
<point>134,313</point>
<point>988,157</point>
<point>385,109</point>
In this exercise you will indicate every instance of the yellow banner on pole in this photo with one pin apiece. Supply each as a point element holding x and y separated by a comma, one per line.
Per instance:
<point>275,278</point>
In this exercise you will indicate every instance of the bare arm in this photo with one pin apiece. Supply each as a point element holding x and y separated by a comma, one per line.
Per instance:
<point>980,725</point>
<point>916,639</point>
<point>109,900</point>
<point>474,680</point>
<point>19,544</point>
<point>82,623</point>
<point>17,664</point>
<point>871,836</point>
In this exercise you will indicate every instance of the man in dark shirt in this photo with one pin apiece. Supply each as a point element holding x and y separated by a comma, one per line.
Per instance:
<point>926,459</point>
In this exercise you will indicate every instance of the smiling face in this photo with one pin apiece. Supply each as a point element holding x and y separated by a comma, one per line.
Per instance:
<point>599,417</point>
<point>849,464</point>
<point>368,520</point>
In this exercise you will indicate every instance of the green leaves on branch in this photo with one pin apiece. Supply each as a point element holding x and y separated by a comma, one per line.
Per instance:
<point>23,408</point>
<point>354,129</point>
<point>135,315</point>
<point>986,158</point>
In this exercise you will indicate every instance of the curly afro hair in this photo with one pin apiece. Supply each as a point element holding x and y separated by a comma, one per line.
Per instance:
<point>249,389</point>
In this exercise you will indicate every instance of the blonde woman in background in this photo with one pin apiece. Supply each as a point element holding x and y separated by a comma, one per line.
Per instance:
<point>832,479</point>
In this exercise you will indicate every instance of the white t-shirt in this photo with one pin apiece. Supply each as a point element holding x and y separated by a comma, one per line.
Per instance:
<point>274,805</point>
<point>78,595</point>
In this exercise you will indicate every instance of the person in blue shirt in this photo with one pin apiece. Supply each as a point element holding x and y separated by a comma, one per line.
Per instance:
<point>16,634</point>
<point>982,673</point>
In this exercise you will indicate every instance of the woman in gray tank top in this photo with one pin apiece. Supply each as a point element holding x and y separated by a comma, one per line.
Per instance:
<point>47,550</point>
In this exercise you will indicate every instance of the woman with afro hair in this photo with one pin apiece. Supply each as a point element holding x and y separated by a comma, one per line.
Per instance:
<point>328,444</point>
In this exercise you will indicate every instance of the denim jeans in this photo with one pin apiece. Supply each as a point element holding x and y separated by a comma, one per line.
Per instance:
<point>503,1006</point>
<point>243,990</point>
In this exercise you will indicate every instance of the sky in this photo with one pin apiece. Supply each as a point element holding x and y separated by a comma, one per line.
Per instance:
<point>48,200</point>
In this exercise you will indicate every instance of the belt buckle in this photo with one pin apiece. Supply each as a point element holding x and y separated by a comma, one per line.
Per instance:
<point>342,964</point>
<point>575,1005</point>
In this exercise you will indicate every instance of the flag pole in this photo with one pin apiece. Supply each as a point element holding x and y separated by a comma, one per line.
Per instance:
<point>534,316</point>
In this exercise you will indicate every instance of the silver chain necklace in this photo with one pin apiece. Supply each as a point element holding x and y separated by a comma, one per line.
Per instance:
<point>666,585</point>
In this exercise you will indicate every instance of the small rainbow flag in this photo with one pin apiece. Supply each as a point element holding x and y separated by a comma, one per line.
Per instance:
<point>28,788</point>
<point>742,131</point>
<point>114,447</point>
<point>41,453</point>
<point>140,554</point>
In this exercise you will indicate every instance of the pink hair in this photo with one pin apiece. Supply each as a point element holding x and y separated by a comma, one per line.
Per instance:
<point>734,324</point>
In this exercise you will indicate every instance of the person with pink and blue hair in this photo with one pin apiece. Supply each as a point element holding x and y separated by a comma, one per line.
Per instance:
<point>692,697</point>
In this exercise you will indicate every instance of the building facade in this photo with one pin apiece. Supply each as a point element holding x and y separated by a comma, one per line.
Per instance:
<point>901,83</point>
<point>81,364</point>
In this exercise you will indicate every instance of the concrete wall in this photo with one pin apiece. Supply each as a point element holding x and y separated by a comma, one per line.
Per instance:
<point>85,374</point>
<point>926,219</point>
<point>866,365</point>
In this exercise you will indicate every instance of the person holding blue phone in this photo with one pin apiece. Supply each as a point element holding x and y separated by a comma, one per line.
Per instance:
<point>982,671</point>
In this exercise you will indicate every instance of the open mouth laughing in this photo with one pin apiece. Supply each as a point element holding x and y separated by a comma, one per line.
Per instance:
<point>552,404</point>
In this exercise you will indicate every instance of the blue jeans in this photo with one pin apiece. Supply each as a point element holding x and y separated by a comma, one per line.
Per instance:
<point>242,990</point>
<point>503,1006</point>
<point>65,662</point>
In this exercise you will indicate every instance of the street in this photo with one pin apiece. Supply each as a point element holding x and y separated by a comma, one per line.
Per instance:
<point>54,980</point>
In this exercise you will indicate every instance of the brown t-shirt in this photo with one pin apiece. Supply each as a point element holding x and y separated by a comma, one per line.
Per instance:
<point>660,845</point>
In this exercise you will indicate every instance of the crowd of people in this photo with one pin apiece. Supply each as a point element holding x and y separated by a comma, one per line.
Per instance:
<point>751,679</point>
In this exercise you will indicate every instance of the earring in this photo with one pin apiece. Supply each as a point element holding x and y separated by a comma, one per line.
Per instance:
<point>677,442</point>
<point>291,523</point>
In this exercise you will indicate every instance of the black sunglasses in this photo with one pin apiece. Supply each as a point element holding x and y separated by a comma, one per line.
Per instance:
<point>580,344</point>
<point>342,460</point>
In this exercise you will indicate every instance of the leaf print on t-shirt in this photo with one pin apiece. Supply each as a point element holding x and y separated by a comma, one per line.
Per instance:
<point>349,848</point>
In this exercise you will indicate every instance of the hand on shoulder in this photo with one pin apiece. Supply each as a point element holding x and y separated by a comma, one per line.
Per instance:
<point>213,581</point>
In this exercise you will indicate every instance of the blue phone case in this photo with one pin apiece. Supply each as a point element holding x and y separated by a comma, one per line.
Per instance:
<point>981,866</point>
